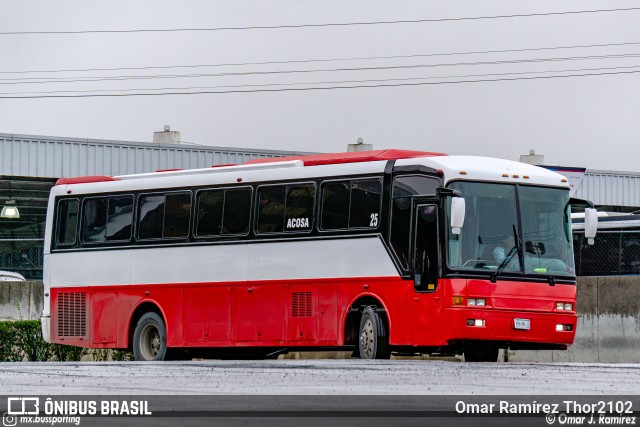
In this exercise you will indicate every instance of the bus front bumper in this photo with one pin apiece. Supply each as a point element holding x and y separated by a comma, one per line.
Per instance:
<point>45,321</point>
<point>464,324</point>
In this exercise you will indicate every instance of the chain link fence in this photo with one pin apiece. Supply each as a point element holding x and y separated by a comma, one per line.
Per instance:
<point>615,253</point>
<point>22,256</point>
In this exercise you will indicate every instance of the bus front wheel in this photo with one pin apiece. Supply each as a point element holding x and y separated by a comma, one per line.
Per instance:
<point>373,338</point>
<point>150,338</point>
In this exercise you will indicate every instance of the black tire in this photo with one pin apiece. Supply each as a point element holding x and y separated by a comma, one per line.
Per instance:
<point>373,338</point>
<point>150,338</point>
<point>484,354</point>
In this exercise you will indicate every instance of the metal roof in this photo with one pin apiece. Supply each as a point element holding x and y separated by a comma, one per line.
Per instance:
<point>610,188</point>
<point>55,157</point>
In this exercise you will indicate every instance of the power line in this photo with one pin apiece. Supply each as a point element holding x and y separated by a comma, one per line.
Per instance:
<point>340,24</point>
<point>317,83</point>
<point>302,61</point>
<point>318,88</point>
<point>37,80</point>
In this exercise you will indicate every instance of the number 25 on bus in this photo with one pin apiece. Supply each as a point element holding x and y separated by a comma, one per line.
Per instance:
<point>378,252</point>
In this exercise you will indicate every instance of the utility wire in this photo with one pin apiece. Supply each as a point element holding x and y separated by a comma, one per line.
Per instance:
<point>87,91</point>
<point>318,88</point>
<point>340,24</point>
<point>303,61</point>
<point>38,80</point>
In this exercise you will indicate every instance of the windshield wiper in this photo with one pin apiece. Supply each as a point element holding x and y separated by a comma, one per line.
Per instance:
<point>510,255</point>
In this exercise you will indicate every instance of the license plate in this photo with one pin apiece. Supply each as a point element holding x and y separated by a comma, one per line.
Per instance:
<point>522,324</point>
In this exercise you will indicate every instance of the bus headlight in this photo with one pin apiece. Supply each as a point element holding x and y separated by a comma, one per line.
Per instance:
<point>565,306</point>
<point>477,302</point>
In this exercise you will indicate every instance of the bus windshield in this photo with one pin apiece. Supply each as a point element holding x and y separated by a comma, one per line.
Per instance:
<point>513,230</point>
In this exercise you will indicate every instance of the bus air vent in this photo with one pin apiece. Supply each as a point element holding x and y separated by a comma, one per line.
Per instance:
<point>72,314</point>
<point>301,304</point>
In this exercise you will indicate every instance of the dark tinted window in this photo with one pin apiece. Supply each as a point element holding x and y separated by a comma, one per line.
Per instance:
<point>271,206</point>
<point>94,220</point>
<point>210,208</point>
<point>164,216</point>
<point>67,222</point>
<point>299,210</point>
<point>177,213</point>
<point>107,219</point>
<point>365,204</point>
<point>222,212</point>
<point>237,211</point>
<point>335,205</point>
<point>119,218</point>
<point>151,216</point>
<point>414,185</point>
<point>285,208</point>
<point>351,204</point>
<point>404,188</point>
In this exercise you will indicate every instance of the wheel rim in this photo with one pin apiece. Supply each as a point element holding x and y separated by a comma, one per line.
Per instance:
<point>367,339</point>
<point>150,342</point>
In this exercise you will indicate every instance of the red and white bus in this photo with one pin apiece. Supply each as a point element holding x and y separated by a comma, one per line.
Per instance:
<point>376,252</point>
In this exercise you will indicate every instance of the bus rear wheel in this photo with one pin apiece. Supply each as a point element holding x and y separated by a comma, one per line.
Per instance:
<point>373,338</point>
<point>150,338</point>
<point>484,354</point>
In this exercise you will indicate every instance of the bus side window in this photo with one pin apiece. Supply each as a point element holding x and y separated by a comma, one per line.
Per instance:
<point>107,219</point>
<point>210,205</point>
<point>94,220</point>
<point>237,211</point>
<point>285,208</point>
<point>223,212</point>
<point>150,216</point>
<point>177,214</point>
<point>119,219</point>
<point>335,205</point>
<point>351,204</point>
<point>299,207</point>
<point>365,204</point>
<point>271,203</point>
<point>67,222</point>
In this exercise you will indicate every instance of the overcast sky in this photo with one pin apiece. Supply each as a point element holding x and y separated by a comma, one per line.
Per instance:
<point>591,121</point>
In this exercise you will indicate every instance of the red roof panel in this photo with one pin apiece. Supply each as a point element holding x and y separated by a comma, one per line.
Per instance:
<point>85,179</point>
<point>350,157</point>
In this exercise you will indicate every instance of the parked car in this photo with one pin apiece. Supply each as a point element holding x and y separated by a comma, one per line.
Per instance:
<point>10,276</point>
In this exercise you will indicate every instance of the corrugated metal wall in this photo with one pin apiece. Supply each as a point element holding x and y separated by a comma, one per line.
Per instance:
<point>39,156</point>
<point>610,188</point>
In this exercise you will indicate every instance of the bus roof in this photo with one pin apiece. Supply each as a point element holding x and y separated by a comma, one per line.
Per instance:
<point>350,157</point>
<point>266,163</point>
<point>469,168</point>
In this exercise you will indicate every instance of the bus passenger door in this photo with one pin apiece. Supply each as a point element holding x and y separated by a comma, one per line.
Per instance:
<point>427,296</point>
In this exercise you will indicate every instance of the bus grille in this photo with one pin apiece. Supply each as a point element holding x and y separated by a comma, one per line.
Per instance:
<point>72,314</point>
<point>301,304</point>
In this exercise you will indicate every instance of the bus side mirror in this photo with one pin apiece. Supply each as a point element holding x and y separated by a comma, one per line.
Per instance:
<point>590,224</point>
<point>458,209</point>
